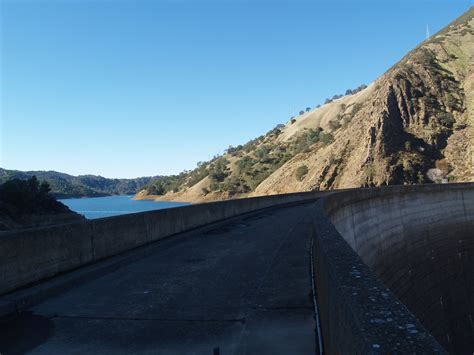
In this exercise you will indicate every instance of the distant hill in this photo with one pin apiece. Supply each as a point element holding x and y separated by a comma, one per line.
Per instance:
<point>68,186</point>
<point>414,124</point>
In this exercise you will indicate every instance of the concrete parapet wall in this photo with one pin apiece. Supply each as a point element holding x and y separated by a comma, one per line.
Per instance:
<point>419,241</point>
<point>358,314</point>
<point>36,254</point>
<point>32,255</point>
<point>372,249</point>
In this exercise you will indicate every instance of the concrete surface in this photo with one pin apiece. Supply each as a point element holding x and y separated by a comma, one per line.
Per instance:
<point>419,241</point>
<point>36,254</point>
<point>358,314</point>
<point>243,286</point>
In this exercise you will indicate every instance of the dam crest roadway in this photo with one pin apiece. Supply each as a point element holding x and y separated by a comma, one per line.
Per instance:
<point>352,271</point>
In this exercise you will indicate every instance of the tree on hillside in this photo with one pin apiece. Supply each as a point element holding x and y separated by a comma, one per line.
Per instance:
<point>18,197</point>
<point>44,188</point>
<point>157,188</point>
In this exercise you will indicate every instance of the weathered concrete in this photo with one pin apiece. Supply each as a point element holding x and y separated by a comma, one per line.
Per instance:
<point>243,286</point>
<point>32,255</point>
<point>358,314</point>
<point>36,254</point>
<point>420,242</point>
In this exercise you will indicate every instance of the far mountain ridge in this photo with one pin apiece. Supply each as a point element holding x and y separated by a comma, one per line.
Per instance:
<point>414,124</point>
<point>68,186</point>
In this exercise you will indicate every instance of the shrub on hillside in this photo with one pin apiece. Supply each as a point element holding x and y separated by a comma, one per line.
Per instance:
<point>446,119</point>
<point>218,172</point>
<point>346,120</point>
<point>262,152</point>
<point>356,108</point>
<point>245,165</point>
<point>326,138</point>
<point>275,132</point>
<point>334,124</point>
<point>301,172</point>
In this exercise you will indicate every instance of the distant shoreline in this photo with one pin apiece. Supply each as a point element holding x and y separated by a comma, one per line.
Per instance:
<point>67,197</point>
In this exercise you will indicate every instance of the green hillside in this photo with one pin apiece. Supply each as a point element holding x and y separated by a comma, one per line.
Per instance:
<point>66,186</point>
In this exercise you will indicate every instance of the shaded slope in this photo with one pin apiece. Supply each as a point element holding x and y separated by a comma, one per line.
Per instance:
<point>27,203</point>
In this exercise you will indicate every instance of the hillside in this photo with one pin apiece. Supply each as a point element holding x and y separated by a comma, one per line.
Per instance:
<point>412,125</point>
<point>67,186</point>
<point>27,203</point>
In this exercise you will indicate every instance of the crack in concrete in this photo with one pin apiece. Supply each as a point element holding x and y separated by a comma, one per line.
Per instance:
<point>277,308</point>
<point>231,320</point>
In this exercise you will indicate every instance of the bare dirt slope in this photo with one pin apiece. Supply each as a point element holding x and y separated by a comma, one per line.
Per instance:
<point>414,124</point>
<point>416,116</point>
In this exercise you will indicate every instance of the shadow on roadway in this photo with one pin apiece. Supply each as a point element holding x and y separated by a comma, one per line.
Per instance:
<point>24,332</point>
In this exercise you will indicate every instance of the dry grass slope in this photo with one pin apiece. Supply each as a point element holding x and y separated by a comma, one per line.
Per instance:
<point>413,124</point>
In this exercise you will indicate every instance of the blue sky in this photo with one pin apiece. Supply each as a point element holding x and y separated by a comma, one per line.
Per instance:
<point>139,88</point>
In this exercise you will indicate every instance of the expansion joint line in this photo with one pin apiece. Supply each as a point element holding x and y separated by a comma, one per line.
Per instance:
<point>140,319</point>
<point>315,300</point>
<point>281,308</point>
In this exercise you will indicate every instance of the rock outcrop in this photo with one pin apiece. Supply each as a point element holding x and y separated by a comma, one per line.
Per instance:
<point>414,124</point>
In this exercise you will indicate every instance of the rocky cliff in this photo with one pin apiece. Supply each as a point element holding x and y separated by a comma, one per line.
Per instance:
<point>414,124</point>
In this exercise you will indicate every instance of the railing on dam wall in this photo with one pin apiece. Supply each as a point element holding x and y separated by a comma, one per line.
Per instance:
<point>32,255</point>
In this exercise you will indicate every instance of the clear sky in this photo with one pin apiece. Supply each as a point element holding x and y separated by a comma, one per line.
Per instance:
<point>139,88</point>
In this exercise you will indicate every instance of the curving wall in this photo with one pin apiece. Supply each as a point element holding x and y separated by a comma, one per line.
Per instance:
<point>32,255</point>
<point>372,249</point>
<point>419,241</point>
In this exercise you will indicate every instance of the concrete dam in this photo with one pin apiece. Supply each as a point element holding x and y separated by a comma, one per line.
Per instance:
<point>379,270</point>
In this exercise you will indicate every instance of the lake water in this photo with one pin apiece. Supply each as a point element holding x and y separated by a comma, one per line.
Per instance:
<point>98,207</point>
